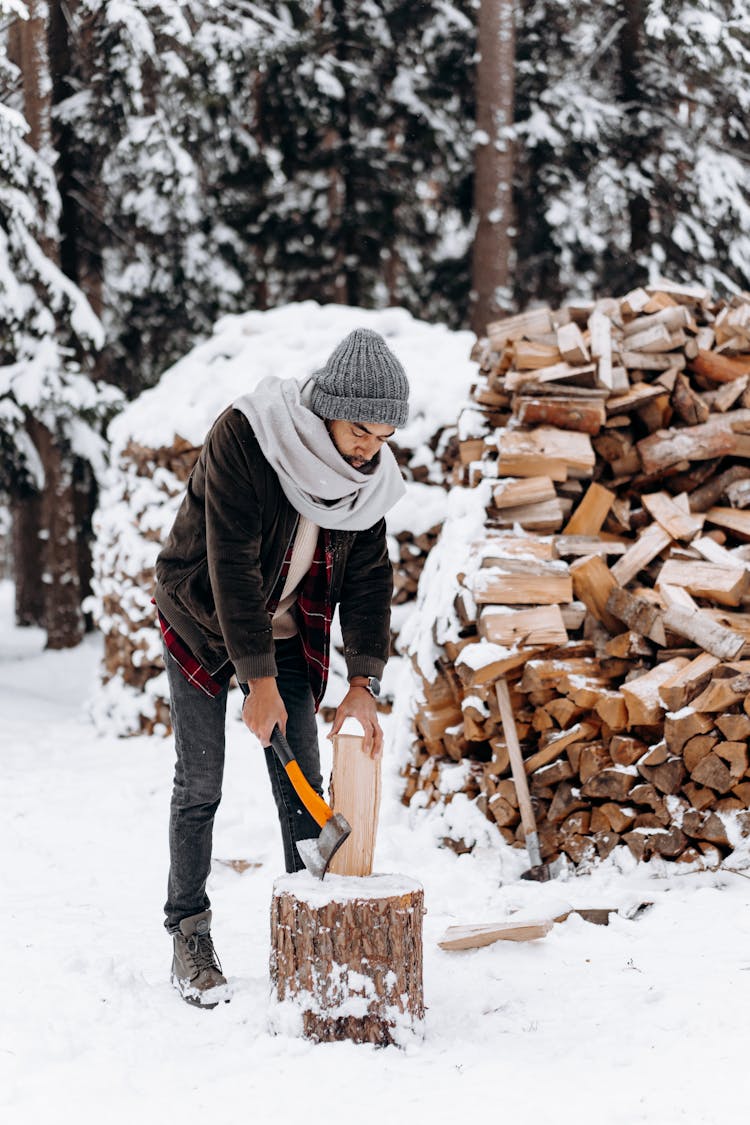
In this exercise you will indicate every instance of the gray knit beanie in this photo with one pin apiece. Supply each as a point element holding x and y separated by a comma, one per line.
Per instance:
<point>362,381</point>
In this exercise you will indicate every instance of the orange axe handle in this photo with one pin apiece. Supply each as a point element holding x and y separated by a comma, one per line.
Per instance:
<point>313,802</point>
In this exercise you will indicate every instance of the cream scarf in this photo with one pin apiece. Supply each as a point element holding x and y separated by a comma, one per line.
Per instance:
<point>315,478</point>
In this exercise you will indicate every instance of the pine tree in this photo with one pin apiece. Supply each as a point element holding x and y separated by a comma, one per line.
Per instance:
<point>633,142</point>
<point>146,134</point>
<point>50,411</point>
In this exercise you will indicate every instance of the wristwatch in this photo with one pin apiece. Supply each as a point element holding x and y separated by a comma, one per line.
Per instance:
<point>369,683</point>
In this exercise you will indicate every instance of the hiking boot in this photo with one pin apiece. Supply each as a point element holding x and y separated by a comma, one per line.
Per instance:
<point>196,972</point>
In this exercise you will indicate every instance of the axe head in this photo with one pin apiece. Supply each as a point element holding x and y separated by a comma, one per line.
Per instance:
<point>316,854</point>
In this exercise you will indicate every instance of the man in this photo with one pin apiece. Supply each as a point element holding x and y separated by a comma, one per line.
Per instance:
<point>282,520</point>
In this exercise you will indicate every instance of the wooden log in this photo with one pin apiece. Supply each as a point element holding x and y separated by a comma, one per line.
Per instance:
<point>346,957</point>
<point>511,493</point>
<point>688,404</point>
<point>712,772</point>
<point>713,552</point>
<point>734,727</point>
<point>547,516</point>
<point>355,792</point>
<point>517,582</point>
<point>498,546</point>
<point>738,494</point>
<point>735,754</point>
<point>698,626</point>
<point>731,518</point>
<point>667,777</point>
<point>668,293</point>
<point>635,397</point>
<point>645,707</point>
<point>726,395</point>
<point>719,368</point>
<point>586,416</point>
<point>575,546</point>
<point>688,681</point>
<point>565,801</point>
<point>660,451</point>
<point>639,613</point>
<point>628,646</point>
<point>592,584</point>
<point>656,337</point>
<point>477,936</point>
<point>541,625</point>
<point>683,725</point>
<point>673,319</point>
<point>528,355</point>
<point>634,302</point>
<point>537,322</point>
<point>545,451</point>
<point>696,750</point>
<point>591,513</point>
<point>619,818</point>
<point>649,544</point>
<point>722,694</point>
<point>600,335</point>
<point>706,580</point>
<point>594,758</point>
<point>562,375</point>
<point>712,491</point>
<point>614,784</point>
<point>482,663</point>
<point>556,743</point>
<point>571,344</point>
<point>705,826</point>
<point>625,750</point>
<point>678,523</point>
<point>652,361</point>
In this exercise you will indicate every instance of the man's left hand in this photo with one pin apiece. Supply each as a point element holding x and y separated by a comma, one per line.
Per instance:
<point>360,705</point>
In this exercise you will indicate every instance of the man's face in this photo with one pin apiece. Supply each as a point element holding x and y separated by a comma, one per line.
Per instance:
<point>359,443</point>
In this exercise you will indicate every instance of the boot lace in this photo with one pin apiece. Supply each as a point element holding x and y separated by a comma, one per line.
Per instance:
<point>202,951</point>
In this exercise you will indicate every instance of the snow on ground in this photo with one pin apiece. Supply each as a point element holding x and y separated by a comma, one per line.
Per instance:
<point>642,1021</point>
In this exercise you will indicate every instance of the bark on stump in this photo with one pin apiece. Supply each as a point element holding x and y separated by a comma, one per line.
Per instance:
<point>346,957</point>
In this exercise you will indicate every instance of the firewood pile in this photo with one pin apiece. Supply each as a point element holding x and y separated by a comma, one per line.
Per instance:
<point>142,502</point>
<point>412,555</point>
<point>610,586</point>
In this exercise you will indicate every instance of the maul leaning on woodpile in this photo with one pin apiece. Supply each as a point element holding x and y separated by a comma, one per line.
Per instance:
<point>609,584</point>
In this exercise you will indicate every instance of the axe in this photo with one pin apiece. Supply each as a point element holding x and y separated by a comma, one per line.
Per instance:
<point>317,853</point>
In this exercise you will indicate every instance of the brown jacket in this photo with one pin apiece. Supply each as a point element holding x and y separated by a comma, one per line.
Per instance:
<point>225,551</point>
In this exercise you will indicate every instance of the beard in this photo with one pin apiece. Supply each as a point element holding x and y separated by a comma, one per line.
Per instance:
<point>366,467</point>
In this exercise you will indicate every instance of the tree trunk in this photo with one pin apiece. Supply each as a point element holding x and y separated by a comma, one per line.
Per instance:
<point>63,618</point>
<point>80,219</point>
<point>26,514</point>
<point>632,95</point>
<point>493,166</point>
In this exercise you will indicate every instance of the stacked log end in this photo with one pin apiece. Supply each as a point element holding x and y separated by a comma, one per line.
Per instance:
<point>610,585</point>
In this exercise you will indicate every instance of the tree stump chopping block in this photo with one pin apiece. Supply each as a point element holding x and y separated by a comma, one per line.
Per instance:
<point>346,958</point>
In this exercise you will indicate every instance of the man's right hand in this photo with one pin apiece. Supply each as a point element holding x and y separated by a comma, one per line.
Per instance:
<point>263,709</point>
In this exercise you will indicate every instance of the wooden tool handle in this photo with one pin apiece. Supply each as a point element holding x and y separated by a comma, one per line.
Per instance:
<point>313,802</point>
<point>516,758</point>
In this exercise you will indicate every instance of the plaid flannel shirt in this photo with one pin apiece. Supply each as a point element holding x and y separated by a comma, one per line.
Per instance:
<point>313,621</point>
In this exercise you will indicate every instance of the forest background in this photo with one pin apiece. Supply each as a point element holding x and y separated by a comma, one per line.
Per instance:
<point>164,162</point>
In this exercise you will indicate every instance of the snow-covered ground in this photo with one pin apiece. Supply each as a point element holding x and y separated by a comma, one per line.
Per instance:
<point>642,1021</point>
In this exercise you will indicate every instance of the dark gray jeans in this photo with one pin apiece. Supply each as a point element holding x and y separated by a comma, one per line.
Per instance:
<point>199,731</point>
